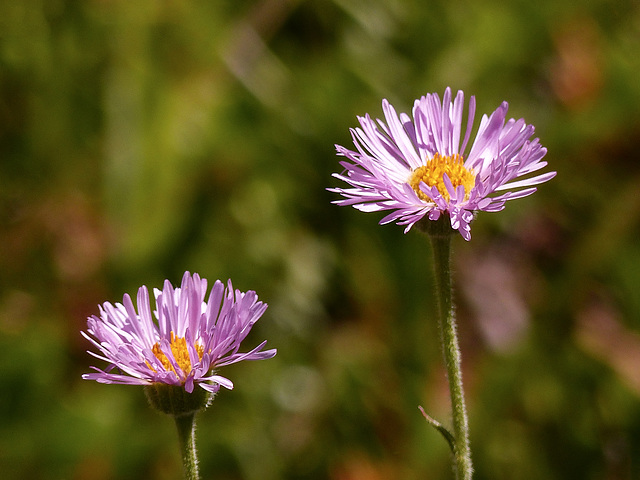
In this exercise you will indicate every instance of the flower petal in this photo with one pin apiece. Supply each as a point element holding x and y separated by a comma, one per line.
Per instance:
<point>378,172</point>
<point>191,336</point>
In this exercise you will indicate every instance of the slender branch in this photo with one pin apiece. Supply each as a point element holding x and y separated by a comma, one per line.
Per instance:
<point>442,262</point>
<point>187,437</point>
<point>448,436</point>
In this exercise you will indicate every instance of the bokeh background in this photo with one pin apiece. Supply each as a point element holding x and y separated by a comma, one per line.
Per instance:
<point>140,139</point>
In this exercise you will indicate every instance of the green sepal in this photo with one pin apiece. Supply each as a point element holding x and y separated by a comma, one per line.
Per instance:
<point>440,228</point>
<point>175,400</point>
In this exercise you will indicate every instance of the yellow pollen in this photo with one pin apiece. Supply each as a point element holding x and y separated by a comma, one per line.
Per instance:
<point>432,174</point>
<point>180,354</point>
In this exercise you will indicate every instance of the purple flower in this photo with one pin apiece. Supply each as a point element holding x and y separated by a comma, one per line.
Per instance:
<point>188,340</point>
<point>417,167</point>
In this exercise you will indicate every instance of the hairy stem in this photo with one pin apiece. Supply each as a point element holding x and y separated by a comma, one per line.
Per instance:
<point>442,262</point>
<point>187,437</point>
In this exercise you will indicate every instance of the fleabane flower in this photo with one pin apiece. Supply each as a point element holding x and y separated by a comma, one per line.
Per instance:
<point>182,342</point>
<point>418,168</point>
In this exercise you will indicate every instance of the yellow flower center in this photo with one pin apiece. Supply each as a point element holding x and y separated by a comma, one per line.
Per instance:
<point>180,354</point>
<point>432,174</point>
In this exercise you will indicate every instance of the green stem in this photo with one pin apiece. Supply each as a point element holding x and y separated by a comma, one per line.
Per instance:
<point>187,437</point>
<point>441,243</point>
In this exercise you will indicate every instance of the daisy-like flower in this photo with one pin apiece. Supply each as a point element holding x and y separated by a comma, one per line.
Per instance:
<point>189,339</point>
<point>417,167</point>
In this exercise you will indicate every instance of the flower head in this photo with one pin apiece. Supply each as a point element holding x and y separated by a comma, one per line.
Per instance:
<point>417,167</point>
<point>188,339</point>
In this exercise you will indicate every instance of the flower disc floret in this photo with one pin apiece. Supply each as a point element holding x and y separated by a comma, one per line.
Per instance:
<point>433,172</point>
<point>180,353</point>
<point>419,166</point>
<point>182,341</point>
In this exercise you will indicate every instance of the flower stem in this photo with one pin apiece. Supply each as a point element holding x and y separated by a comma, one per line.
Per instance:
<point>442,262</point>
<point>187,437</point>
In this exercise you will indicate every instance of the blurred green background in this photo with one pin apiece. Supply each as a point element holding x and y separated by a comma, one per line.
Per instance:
<point>140,139</point>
